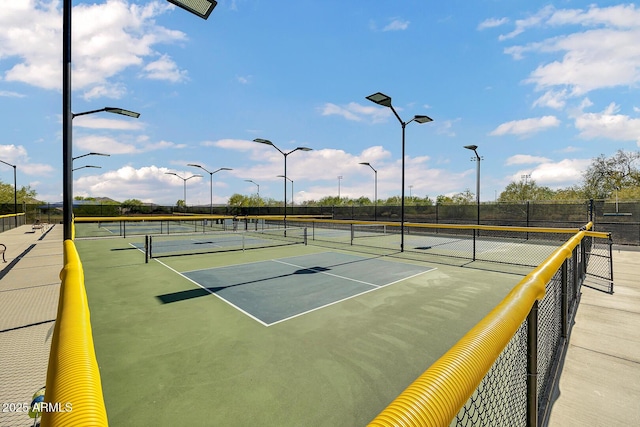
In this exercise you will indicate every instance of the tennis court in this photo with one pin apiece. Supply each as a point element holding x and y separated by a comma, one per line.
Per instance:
<point>279,336</point>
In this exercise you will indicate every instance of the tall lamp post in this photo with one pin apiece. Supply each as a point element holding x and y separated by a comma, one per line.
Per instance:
<point>201,8</point>
<point>15,192</point>
<point>210,182</point>
<point>289,179</point>
<point>375,190</point>
<point>339,179</point>
<point>185,185</point>
<point>474,148</point>
<point>384,100</point>
<point>258,185</point>
<point>285,154</point>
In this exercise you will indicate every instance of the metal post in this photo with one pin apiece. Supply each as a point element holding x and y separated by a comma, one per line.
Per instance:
<point>565,299</point>
<point>532,366</point>
<point>67,155</point>
<point>404,125</point>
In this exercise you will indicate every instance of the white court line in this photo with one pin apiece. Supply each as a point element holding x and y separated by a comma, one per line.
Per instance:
<point>328,274</point>
<point>213,293</point>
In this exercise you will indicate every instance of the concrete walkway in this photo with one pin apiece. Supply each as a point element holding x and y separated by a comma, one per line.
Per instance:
<point>29,287</point>
<point>600,380</point>
<point>599,385</point>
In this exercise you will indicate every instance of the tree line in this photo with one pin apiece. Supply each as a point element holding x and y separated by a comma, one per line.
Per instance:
<point>616,177</point>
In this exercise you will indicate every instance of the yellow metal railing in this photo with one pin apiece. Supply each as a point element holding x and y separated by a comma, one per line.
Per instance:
<point>436,397</point>
<point>73,390</point>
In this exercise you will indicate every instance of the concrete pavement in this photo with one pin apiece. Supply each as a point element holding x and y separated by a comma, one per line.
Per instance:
<point>600,380</point>
<point>29,287</point>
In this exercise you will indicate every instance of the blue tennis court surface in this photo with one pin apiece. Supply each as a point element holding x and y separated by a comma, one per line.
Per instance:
<point>276,290</point>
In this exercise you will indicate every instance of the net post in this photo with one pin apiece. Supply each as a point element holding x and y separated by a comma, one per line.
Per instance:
<point>146,249</point>
<point>305,236</point>
<point>352,233</point>
<point>150,248</point>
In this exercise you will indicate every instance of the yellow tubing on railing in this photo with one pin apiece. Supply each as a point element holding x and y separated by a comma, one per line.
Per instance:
<point>73,392</point>
<point>437,396</point>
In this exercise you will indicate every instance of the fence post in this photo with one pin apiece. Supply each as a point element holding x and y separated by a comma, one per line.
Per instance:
<point>565,298</point>
<point>576,270</point>
<point>532,366</point>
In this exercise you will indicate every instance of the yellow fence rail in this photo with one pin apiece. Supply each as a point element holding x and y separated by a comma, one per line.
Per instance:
<point>436,397</point>
<point>73,390</point>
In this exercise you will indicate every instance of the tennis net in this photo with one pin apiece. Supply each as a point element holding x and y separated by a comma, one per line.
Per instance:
<point>222,241</point>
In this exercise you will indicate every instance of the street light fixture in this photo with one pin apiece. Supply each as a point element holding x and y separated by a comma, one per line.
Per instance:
<point>210,181</point>
<point>113,110</point>
<point>185,185</point>
<point>287,178</point>
<point>87,166</point>
<point>285,154</point>
<point>375,193</point>
<point>201,8</point>
<point>474,148</point>
<point>91,154</point>
<point>384,100</point>
<point>15,192</point>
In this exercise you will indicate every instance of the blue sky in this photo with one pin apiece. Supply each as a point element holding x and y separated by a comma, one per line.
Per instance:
<point>540,87</point>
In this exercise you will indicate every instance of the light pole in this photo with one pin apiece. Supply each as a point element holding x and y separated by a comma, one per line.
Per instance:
<point>339,179</point>
<point>384,100</point>
<point>258,201</point>
<point>474,148</point>
<point>201,8</point>
<point>210,182</point>
<point>285,154</point>
<point>258,185</point>
<point>375,190</point>
<point>15,192</point>
<point>289,179</point>
<point>185,185</point>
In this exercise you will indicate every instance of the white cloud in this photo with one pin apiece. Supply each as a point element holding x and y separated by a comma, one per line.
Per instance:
<point>552,99</point>
<point>555,174</point>
<point>526,127</point>
<point>111,145</point>
<point>164,69</point>
<point>492,23</point>
<point>356,112</point>
<point>605,54</point>
<point>9,94</point>
<point>525,159</point>
<point>608,125</point>
<point>107,39</point>
<point>396,24</point>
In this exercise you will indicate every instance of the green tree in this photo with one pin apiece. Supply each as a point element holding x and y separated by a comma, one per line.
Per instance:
<point>606,174</point>
<point>518,192</point>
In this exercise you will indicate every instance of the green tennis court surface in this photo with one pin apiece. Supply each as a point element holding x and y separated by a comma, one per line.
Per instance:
<point>178,341</point>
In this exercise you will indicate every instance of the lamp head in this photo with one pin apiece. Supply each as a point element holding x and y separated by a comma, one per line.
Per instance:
<point>201,8</point>
<point>380,99</point>
<point>122,111</point>
<point>422,119</point>
<point>263,141</point>
<point>471,147</point>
